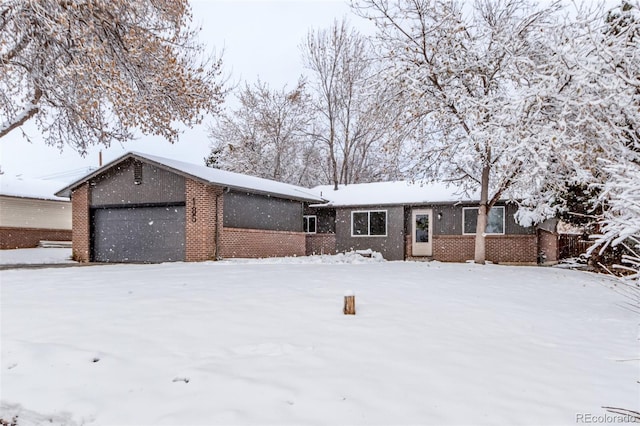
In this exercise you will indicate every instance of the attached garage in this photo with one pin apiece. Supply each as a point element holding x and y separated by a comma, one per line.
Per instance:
<point>147,209</point>
<point>138,234</point>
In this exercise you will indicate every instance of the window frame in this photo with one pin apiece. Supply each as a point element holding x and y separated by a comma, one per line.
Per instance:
<point>315,223</point>
<point>386,228</point>
<point>504,221</point>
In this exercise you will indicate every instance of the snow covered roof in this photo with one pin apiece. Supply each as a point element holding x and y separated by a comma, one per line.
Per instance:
<point>30,188</point>
<point>210,175</point>
<point>393,193</point>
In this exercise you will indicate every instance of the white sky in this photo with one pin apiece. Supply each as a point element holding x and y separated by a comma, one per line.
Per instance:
<point>260,38</point>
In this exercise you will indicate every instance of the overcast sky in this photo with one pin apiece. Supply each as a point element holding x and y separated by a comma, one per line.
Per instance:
<point>260,38</point>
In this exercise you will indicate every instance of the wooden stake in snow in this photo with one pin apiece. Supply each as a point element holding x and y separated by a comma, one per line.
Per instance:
<point>349,303</point>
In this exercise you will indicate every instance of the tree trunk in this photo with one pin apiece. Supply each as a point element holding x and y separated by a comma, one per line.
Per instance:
<point>481,225</point>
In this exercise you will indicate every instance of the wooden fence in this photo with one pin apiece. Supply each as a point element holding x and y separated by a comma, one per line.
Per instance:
<point>572,245</point>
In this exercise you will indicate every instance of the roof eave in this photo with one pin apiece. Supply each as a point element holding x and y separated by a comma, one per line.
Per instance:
<point>66,192</point>
<point>410,203</point>
<point>31,197</point>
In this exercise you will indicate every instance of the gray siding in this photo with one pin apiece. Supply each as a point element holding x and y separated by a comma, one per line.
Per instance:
<point>391,247</point>
<point>512,227</point>
<point>326,223</point>
<point>116,186</point>
<point>252,211</point>
<point>450,222</point>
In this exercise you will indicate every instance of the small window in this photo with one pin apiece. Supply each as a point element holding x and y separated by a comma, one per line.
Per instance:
<point>309,224</point>
<point>495,220</point>
<point>369,223</point>
<point>137,173</point>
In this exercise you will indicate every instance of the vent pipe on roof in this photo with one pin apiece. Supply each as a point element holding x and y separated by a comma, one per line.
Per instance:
<point>100,159</point>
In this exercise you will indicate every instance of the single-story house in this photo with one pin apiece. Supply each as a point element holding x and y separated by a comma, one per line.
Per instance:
<point>405,220</point>
<point>30,213</point>
<point>144,208</point>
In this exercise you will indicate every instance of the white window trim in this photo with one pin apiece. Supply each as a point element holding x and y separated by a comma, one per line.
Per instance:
<point>307,216</point>
<point>386,219</point>
<point>504,225</point>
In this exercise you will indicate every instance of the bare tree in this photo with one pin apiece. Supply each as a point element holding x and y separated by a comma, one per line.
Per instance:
<point>353,119</point>
<point>90,72</point>
<point>267,136</point>
<point>475,83</point>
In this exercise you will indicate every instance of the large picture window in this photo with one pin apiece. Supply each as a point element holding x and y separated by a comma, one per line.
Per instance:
<point>495,220</point>
<point>309,224</point>
<point>371,223</point>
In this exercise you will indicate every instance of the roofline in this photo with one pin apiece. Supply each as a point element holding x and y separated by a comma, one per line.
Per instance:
<point>66,191</point>
<point>31,197</point>
<point>137,156</point>
<point>413,204</point>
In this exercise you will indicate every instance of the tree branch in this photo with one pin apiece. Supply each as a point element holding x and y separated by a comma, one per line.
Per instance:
<point>24,116</point>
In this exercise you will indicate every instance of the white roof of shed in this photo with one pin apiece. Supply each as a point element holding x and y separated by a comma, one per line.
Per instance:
<point>30,188</point>
<point>393,193</point>
<point>210,175</point>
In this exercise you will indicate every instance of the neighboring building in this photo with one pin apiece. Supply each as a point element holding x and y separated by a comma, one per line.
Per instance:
<point>414,221</point>
<point>143,208</point>
<point>30,213</point>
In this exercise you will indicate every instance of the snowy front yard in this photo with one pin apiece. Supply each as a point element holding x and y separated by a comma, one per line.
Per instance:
<point>267,343</point>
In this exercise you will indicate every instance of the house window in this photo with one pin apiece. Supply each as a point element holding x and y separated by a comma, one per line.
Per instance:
<point>369,223</point>
<point>495,220</point>
<point>309,224</point>
<point>137,173</point>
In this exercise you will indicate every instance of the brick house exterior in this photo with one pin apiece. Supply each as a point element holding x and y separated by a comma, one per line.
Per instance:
<point>30,213</point>
<point>80,223</point>
<point>347,222</point>
<point>203,220</point>
<point>142,208</point>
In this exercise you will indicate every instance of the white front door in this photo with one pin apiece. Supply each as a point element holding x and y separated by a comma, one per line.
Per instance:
<point>422,230</point>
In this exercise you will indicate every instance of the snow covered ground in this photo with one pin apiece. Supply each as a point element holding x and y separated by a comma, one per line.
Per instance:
<point>265,342</point>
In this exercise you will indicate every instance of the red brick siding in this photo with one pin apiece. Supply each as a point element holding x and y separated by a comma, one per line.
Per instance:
<point>200,233</point>
<point>500,249</point>
<point>512,248</point>
<point>321,244</point>
<point>256,243</point>
<point>13,238</point>
<point>548,244</point>
<point>453,248</point>
<point>80,233</point>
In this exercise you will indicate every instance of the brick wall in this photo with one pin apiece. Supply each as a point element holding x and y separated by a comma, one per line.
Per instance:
<point>320,244</point>
<point>548,245</point>
<point>512,249</point>
<point>200,233</point>
<point>500,249</point>
<point>256,243</point>
<point>453,248</point>
<point>80,233</point>
<point>13,238</point>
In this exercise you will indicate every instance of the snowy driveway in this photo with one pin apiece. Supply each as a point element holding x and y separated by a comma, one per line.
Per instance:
<point>266,343</point>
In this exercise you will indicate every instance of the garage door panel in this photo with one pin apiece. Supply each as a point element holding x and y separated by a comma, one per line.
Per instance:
<point>140,234</point>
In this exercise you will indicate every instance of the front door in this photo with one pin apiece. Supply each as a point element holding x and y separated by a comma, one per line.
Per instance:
<point>422,230</point>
